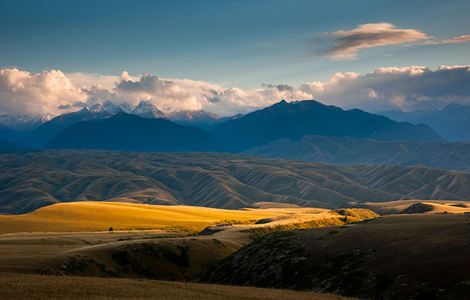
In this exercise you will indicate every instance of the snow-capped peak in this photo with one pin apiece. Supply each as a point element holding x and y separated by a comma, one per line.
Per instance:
<point>98,107</point>
<point>146,109</point>
<point>111,107</point>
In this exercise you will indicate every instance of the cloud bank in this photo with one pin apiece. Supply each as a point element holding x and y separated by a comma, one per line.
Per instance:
<point>406,88</point>
<point>26,93</point>
<point>36,93</point>
<point>346,44</point>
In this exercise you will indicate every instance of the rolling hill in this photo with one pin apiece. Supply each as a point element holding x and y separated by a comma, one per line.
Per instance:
<point>297,119</point>
<point>393,257</point>
<point>132,133</point>
<point>350,151</point>
<point>419,207</point>
<point>35,179</point>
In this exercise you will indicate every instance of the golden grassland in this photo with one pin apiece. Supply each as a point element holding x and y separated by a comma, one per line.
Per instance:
<point>303,221</point>
<point>99,216</point>
<point>50,237</point>
<point>436,206</point>
<point>22,286</point>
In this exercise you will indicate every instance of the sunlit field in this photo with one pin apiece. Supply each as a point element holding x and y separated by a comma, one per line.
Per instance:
<point>103,216</point>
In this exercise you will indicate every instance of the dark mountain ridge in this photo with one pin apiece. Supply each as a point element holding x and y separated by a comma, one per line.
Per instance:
<point>297,119</point>
<point>132,133</point>
<point>44,134</point>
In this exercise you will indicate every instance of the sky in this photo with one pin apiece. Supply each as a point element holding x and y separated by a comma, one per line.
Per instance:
<point>231,56</point>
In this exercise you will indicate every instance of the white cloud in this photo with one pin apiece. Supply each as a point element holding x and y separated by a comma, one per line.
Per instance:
<point>23,92</point>
<point>346,44</point>
<point>186,94</point>
<point>407,88</point>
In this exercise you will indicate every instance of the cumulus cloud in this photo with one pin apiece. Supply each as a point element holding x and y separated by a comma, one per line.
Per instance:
<point>346,44</point>
<point>23,92</point>
<point>406,88</point>
<point>186,94</point>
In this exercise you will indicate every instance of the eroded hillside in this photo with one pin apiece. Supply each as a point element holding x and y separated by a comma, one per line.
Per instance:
<point>35,179</point>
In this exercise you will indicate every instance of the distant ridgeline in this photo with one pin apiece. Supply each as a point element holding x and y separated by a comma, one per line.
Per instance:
<point>148,129</point>
<point>352,151</point>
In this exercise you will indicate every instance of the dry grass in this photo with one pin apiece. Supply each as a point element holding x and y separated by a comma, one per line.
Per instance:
<point>20,286</point>
<point>423,256</point>
<point>99,216</point>
<point>57,233</point>
<point>438,206</point>
<point>307,220</point>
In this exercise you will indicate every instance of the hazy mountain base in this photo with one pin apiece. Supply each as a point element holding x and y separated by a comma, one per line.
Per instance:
<point>350,151</point>
<point>452,122</point>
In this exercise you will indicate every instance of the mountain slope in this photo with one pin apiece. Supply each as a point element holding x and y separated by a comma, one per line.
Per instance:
<point>8,134</point>
<point>296,119</point>
<point>23,123</point>
<point>6,146</point>
<point>129,132</point>
<point>32,180</point>
<point>42,135</point>
<point>452,122</point>
<point>347,150</point>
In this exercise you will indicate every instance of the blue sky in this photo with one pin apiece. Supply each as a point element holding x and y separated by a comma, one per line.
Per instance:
<point>237,55</point>
<point>242,43</point>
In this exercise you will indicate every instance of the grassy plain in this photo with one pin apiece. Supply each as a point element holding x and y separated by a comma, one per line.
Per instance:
<point>426,206</point>
<point>147,241</point>
<point>99,216</point>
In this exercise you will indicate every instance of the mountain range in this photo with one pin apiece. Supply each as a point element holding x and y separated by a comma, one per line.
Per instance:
<point>452,122</point>
<point>35,179</point>
<point>43,134</point>
<point>132,133</point>
<point>297,119</point>
<point>23,123</point>
<point>281,120</point>
<point>352,151</point>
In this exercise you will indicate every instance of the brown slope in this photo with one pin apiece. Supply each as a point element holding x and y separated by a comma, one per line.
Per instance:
<point>378,259</point>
